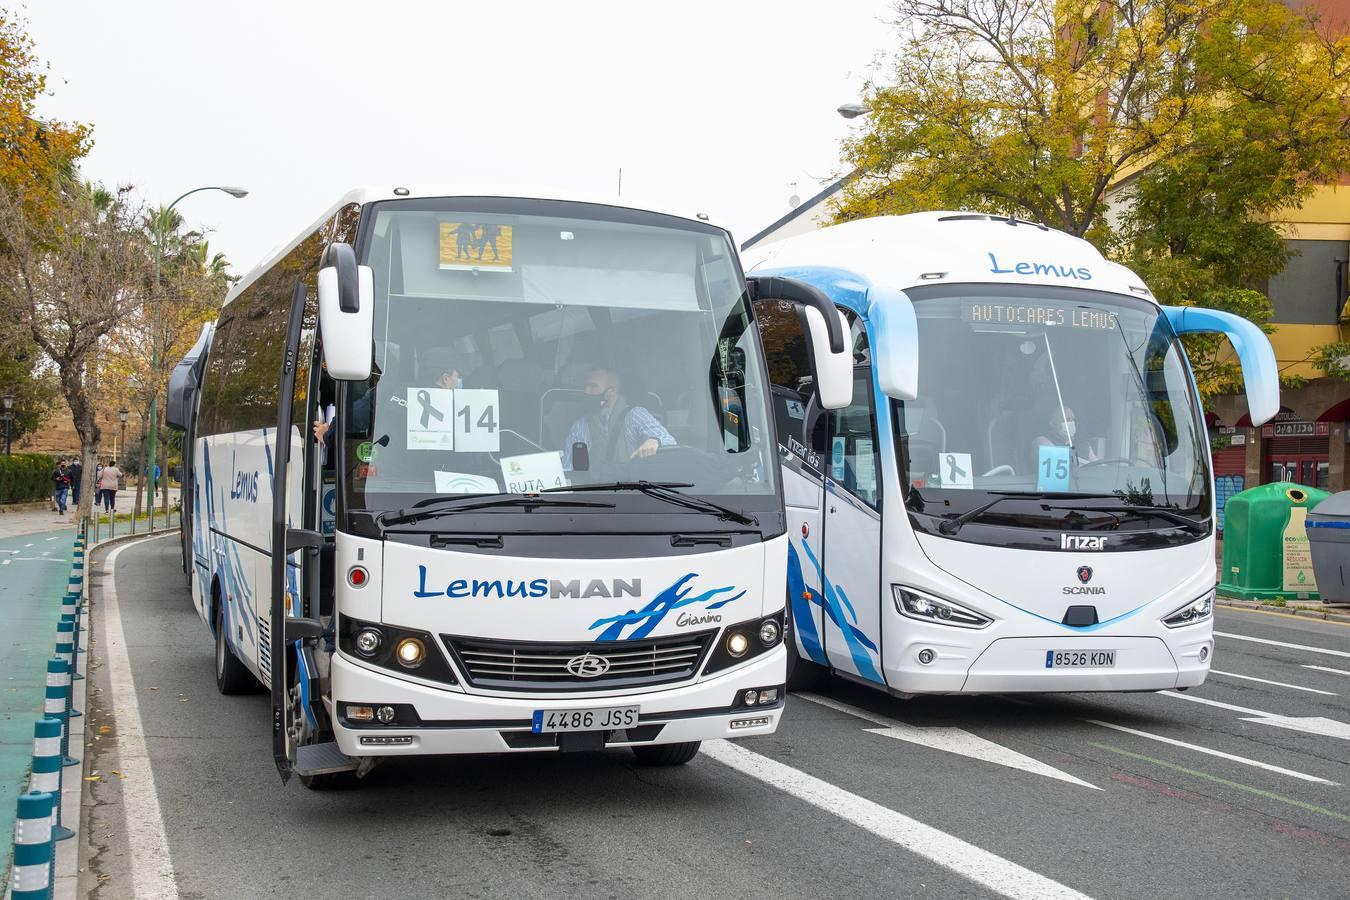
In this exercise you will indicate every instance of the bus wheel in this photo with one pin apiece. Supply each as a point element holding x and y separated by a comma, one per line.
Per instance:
<point>231,675</point>
<point>666,754</point>
<point>302,734</point>
<point>802,674</point>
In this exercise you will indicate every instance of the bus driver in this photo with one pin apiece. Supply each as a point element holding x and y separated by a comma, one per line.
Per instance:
<point>642,433</point>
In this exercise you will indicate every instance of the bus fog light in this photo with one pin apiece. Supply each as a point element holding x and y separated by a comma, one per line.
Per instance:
<point>768,632</point>
<point>927,656</point>
<point>361,713</point>
<point>1204,653</point>
<point>367,641</point>
<point>410,653</point>
<point>385,714</point>
<point>755,722</point>
<point>737,644</point>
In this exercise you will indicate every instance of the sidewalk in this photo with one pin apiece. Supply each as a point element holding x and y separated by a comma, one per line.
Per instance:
<point>31,518</point>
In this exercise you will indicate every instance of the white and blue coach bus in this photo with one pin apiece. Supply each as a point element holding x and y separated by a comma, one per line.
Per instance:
<point>486,471</point>
<point>1019,496</point>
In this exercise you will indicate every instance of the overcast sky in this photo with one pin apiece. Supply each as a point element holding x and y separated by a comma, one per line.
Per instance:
<point>712,106</point>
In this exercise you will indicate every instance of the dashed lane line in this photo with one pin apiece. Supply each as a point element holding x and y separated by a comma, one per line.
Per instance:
<point>974,863</point>
<point>151,866</point>
<point>1292,687</point>
<point>1328,669</point>
<point>1219,753</point>
<point>1257,640</point>
<point>1236,785</point>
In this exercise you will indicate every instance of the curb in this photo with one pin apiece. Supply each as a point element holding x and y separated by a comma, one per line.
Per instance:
<point>1342,616</point>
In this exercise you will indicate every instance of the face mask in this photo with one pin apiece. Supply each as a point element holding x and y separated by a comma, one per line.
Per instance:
<point>1070,429</point>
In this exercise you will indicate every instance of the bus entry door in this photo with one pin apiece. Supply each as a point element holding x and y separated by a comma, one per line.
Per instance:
<point>852,541</point>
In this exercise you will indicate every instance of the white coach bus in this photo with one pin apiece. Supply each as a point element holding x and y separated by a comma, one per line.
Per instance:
<point>482,472</point>
<point>1019,496</point>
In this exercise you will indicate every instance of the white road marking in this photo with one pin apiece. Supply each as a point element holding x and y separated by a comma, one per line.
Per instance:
<point>1292,687</point>
<point>1309,724</point>
<point>1219,753</point>
<point>27,545</point>
<point>1328,669</point>
<point>52,538</point>
<point>980,866</point>
<point>152,874</point>
<point>1257,640</point>
<point>952,740</point>
<point>6,562</point>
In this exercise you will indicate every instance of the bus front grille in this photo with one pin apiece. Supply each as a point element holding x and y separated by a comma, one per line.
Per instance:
<point>534,666</point>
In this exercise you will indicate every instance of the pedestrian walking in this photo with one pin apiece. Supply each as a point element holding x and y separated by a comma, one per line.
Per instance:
<point>108,482</point>
<point>60,486</point>
<point>76,470</point>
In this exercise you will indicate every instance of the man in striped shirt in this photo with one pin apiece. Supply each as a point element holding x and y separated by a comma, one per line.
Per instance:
<point>615,432</point>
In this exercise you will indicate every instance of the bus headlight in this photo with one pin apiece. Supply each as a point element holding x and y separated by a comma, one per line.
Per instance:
<point>743,641</point>
<point>410,652</point>
<point>929,608</point>
<point>367,641</point>
<point>1201,609</point>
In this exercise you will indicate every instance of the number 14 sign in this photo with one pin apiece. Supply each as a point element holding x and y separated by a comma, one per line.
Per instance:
<point>460,420</point>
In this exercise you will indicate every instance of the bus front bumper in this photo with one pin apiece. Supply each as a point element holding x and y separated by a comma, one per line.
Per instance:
<point>1024,665</point>
<point>454,722</point>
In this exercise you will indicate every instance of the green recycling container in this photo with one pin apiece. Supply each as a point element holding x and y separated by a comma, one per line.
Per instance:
<point>1265,543</point>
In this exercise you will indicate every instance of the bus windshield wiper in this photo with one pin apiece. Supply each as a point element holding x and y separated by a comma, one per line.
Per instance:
<point>443,505</point>
<point>1167,513</point>
<point>667,491</point>
<point>953,525</point>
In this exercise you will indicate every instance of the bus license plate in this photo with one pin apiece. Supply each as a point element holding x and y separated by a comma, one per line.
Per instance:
<point>550,720</point>
<point>1079,659</point>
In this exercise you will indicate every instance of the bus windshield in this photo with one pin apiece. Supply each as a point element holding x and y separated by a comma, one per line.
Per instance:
<point>1079,398</point>
<point>522,345</point>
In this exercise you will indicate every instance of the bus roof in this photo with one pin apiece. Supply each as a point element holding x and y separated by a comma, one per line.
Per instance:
<point>370,194</point>
<point>901,252</point>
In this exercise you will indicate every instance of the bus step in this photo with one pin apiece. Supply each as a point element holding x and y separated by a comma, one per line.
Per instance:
<point>321,759</point>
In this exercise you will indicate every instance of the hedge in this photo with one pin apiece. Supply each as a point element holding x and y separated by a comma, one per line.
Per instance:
<point>25,476</point>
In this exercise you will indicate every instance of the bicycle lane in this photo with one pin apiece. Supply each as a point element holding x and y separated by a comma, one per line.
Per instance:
<point>33,573</point>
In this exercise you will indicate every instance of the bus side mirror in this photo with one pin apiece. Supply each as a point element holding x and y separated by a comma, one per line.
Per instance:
<point>831,356</point>
<point>833,371</point>
<point>346,313</point>
<point>1260,373</point>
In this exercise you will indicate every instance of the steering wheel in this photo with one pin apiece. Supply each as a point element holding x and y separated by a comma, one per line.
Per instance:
<point>1004,469</point>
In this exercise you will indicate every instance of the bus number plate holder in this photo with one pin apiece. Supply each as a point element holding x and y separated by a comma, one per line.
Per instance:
<point>1080,659</point>
<point>548,721</point>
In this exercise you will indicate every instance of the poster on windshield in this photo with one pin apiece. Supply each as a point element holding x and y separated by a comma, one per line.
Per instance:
<point>470,246</point>
<point>460,420</point>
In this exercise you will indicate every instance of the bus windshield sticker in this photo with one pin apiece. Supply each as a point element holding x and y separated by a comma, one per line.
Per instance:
<point>465,483</point>
<point>1052,468</point>
<point>470,247</point>
<point>477,419</point>
<point>430,423</point>
<point>957,471</point>
<point>532,472</point>
<point>455,419</point>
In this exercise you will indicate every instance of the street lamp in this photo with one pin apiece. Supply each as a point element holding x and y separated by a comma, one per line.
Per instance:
<point>122,415</point>
<point>7,399</point>
<point>236,192</point>
<point>852,110</point>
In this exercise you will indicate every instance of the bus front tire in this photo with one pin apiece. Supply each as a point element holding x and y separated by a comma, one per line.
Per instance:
<point>231,675</point>
<point>666,754</point>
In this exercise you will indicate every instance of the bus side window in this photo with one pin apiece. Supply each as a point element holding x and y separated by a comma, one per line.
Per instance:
<point>853,460</point>
<point>785,354</point>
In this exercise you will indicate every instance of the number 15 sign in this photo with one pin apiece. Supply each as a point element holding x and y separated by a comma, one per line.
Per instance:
<point>460,420</point>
